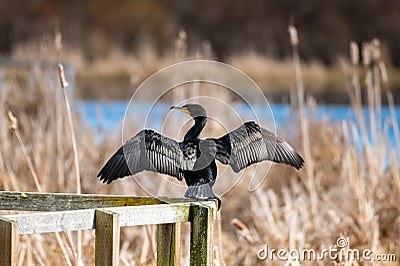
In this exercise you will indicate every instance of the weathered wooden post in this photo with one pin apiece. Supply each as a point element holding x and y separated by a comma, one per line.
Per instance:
<point>107,238</point>
<point>166,244</point>
<point>201,230</point>
<point>8,242</point>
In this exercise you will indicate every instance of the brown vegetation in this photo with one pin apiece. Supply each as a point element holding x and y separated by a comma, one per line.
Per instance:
<point>257,25</point>
<point>340,192</point>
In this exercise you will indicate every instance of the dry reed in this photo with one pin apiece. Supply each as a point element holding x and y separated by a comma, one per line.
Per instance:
<point>360,200</point>
<point>341,191</point>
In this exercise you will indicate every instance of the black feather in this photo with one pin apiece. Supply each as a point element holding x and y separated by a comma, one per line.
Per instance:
<point>194,159</point>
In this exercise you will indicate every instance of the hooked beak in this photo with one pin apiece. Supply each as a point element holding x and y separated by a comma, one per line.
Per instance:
<point>183,109</point>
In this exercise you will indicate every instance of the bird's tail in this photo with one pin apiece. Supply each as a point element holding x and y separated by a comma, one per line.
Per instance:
<point>200,191</point>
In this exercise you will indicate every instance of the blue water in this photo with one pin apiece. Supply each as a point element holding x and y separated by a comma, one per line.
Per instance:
<point>106,117</point>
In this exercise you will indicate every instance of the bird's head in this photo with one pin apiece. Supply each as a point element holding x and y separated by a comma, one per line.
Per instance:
<point>194,110</point>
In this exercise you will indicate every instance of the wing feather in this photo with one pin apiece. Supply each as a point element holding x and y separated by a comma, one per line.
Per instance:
<point>148,150</point>
<point>250,144</point>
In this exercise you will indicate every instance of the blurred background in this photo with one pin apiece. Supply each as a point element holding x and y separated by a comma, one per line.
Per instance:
<point>333,83</point>
<point>139,37</point>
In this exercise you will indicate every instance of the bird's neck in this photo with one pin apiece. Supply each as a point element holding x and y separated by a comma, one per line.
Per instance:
<point>195,130</point>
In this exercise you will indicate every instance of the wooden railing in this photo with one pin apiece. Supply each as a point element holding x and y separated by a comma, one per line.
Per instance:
<point>55,212</point>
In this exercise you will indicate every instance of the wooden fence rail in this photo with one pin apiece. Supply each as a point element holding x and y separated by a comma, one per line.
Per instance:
<point>57,212</point>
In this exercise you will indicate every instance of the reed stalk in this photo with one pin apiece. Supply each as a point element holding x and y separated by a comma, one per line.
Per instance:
<point>64,85</point>
<point>14,127</point>
<point>304,126</point>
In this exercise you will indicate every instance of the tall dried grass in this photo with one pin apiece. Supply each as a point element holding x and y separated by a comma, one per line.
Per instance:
<point>340,192</point>
<point>352,193</point>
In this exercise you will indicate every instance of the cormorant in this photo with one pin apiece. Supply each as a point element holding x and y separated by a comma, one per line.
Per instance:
<point>193,159</point>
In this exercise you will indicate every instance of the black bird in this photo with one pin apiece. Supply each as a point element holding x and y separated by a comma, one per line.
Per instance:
<point>193,159</point>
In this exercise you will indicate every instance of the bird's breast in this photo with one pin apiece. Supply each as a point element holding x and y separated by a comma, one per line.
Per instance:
<point>189,150</point>
<point>190,154</point>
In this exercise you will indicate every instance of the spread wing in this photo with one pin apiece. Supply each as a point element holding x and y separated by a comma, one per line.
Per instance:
<point>250,144</point>
<point>148,150</point>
